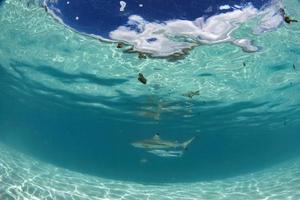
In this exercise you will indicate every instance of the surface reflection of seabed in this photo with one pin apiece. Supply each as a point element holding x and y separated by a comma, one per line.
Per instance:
<point>22,177</point>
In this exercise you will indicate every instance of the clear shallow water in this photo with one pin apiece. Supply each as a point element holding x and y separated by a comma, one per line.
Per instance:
<point>27,178</point>
<point>74,102</point>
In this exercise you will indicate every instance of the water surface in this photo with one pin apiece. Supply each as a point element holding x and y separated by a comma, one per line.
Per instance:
<point>71,106</point>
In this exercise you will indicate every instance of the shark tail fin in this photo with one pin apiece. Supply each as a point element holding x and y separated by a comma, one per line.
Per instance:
<point>186,143</point>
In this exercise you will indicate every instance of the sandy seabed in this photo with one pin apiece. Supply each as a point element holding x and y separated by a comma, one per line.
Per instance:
<point>23,177</point>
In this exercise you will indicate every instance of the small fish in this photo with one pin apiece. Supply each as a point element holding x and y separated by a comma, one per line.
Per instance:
<point>244,64</point>
<point>294,66</point>
<point>156,143</point>
<point>191,94</point>
<point>142,55</point>
<point>120,45</point>
<point>142,79</point>
<point>286,18</point>
<point>45,8</point>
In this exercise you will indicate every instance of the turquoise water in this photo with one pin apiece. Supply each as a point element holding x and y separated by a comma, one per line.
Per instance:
<point>71,106</point>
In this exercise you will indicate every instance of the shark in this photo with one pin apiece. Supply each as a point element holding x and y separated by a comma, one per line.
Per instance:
<point>157,143</point>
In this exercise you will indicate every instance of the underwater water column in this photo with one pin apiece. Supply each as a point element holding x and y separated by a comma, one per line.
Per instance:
<point>149,99</point>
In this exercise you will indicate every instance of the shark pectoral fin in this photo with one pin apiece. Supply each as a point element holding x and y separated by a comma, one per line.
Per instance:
<point>186,143</point>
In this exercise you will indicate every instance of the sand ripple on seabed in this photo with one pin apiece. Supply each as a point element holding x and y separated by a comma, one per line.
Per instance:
<point>22,177</point>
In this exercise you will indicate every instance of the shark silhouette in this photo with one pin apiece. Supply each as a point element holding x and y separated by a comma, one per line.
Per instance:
<point>157,143</point>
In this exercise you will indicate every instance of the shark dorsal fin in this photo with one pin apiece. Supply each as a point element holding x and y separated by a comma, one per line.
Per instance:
<point>156,137</point>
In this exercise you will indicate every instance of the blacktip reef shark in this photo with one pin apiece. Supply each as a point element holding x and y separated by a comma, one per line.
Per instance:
<point>156,143</point>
